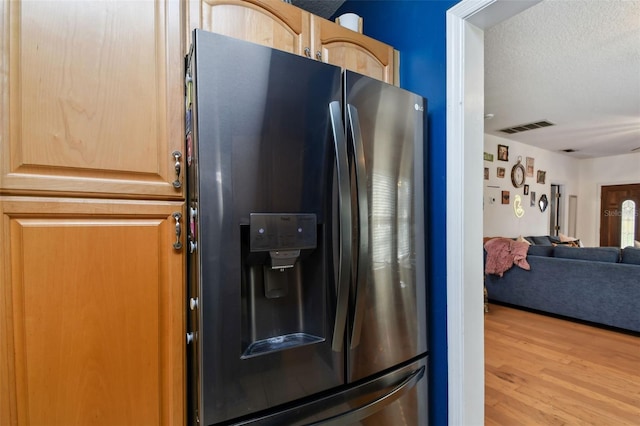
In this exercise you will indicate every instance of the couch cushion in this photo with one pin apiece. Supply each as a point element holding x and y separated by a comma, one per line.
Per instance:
<point>598,254</point>
<point>554,239</point>
<point>631,255</point>
<point>546,251</point>
<point>542,240</point>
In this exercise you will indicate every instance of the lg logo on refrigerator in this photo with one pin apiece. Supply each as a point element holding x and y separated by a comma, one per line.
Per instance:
<point>418,107</point>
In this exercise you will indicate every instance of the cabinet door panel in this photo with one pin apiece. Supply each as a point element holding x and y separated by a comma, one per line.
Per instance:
<point>353,51</point>
<point>93,309</point>
<point>267,22</point>
<point>94,97</point>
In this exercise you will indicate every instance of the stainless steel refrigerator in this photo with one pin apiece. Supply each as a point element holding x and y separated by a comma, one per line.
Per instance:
<point>306,239</point>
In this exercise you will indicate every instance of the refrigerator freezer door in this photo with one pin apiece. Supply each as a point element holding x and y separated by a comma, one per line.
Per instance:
<point>385,128</point>
<point>397,398</point>
<point>265,158</point>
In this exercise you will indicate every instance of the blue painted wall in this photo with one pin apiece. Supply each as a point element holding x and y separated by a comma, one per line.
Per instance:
<point>417,29</point>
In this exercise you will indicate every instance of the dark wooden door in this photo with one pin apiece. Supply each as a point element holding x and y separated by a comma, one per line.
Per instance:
<point>611,199</point>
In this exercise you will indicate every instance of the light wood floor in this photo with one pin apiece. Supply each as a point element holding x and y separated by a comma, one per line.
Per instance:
<point>541,370</point>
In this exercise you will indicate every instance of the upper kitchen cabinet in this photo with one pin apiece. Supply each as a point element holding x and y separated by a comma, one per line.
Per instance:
<point>271,23</point>
<point>282,26</point>
<point>351,50</point>
<point>92,98</point>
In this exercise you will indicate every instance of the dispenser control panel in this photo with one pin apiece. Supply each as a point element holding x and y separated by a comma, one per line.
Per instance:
<point>282,231</point>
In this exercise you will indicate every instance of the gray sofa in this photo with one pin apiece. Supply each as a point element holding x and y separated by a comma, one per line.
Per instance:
<point>595,284</point>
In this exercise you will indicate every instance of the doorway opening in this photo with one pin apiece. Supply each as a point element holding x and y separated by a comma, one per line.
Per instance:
<point>556,212</point>
<point>466,23</point>
<point>573,215</point>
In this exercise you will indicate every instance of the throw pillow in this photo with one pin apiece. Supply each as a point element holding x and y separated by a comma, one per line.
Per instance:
<point>542,240</point>
<point>636,244</point>
<point>485,239</point>
<point>565,239</point>
<point>522,240</point>
<point>575,243</point>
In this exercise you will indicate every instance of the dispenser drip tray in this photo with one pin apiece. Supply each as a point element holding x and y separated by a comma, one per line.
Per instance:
<point>280,343</point>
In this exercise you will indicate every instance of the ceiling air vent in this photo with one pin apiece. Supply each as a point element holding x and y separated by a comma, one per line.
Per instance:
<point>568,150</point>
<point>525,127</point>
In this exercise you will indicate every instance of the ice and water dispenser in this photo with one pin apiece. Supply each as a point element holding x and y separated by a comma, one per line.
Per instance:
<point>283,283</point>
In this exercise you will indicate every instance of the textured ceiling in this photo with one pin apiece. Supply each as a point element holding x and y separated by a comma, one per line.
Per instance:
<point>574,63</point>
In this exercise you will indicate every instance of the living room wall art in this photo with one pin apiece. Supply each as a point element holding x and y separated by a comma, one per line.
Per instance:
<point>488,156</point>
<point>505,197</point>
<point>543,202</point>
<point>530,161</point>
<point>526,190</point>
<point>533,199</point>
<point>517,206</point>
<point>500,172</point>
<point>541,176</point>
<point>503,153</point>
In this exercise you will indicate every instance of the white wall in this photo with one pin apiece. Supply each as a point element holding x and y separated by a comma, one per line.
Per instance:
<point>594,173</point>
<point>580,177</point>
<point>500,219</point>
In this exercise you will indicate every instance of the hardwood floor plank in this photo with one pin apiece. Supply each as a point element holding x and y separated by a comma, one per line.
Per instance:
<point>525,414</point>
<point>541,370</point>
<point>529,353</point>
<point>603,380</point>
<point>597,396</point>
<point>588,410</point>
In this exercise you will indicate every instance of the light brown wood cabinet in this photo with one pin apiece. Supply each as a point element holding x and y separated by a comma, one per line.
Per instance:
<point>91,97</point>
<point>92,290</point>
<point>91,312</point>
<point>353,51</point>
<point>271,23</point>
<point>283,26</point>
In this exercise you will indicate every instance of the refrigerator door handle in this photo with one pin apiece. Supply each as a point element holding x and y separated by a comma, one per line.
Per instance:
<point>366,410</point>
<point>363,223</point>
<point>344,207</point>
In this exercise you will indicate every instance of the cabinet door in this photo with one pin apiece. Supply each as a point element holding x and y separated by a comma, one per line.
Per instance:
<point>92,313</point>
<point>351,50</point>
<point>92,98</point>
<point>272,23</point>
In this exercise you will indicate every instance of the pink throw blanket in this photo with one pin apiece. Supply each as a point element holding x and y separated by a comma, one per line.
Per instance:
<point>503,253</point>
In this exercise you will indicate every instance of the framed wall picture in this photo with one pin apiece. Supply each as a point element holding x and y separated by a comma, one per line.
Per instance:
<point>529,164</point>
<point>533,199</point>
<point>486,173</point>
<point>505,197</point>
<point>526,190</point>
<point>500,172</point>
<point>488,156</point>
<point>503,153</point>
<point>541,176</point>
